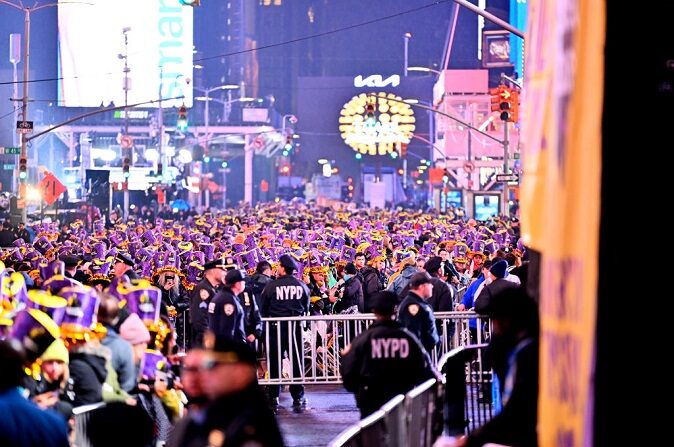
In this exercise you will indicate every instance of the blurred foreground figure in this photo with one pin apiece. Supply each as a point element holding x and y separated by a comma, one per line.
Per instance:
<point>22,422</point>
<point>237,413</point>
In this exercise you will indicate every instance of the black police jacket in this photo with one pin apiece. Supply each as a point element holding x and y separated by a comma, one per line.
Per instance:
<point>226,316</point>
<point>286,296</point>
<point>417,316</point>
<point>202,295</point>
<point>382,362</point>
<point>252,320</point>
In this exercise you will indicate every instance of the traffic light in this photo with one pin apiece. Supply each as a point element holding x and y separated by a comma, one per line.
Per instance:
<point>160,171</point>
<point>289,143</point>
<point>181,124</point>
<point>506,101</point>
<point>190,2</point>
<point>23,169</point>
<point>403,149</point>
<point>370,119</point>
<point>126,168</point>
<point>496,97</point>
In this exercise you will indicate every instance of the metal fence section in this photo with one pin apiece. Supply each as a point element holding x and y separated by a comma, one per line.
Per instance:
<point>428,410</point>
<point>81,415</point>
<point>307,349</point>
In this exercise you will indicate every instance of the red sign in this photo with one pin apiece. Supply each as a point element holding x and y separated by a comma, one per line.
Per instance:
<point>51,188</point>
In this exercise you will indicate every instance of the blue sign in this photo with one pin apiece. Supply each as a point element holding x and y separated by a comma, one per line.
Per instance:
<point>486,206</point>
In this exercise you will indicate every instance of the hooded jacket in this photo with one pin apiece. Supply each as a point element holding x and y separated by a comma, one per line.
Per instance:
<point>88,373</point>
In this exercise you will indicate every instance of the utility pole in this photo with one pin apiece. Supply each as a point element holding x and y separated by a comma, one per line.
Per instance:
<point>15,58</point>
<point>127,151</point>
<point>24,106</point>
<point>406,41</point>
<point>506,207</point>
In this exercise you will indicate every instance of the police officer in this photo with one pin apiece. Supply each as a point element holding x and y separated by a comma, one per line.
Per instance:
<point>226,315</point>
<point>384,361</point>
<point>124,266</point>
<point>415,314</point>
<point>286,296</point>
<point>203,293</point>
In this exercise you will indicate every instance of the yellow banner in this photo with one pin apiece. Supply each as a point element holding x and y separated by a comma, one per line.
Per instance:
<point>560,198</point>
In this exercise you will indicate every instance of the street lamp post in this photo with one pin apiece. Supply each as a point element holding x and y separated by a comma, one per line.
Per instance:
<point>406,41</point>
<point>424,69</point>
<point>206,138</point>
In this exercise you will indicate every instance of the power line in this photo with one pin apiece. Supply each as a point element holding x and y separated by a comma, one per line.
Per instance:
<point>327,33</point>
<point>264,47</point>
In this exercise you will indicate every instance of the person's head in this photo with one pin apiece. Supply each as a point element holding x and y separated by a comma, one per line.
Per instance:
<point>498,270</point>
<point>383,304</point>
<point>359,260</point>
<point>192,375</point>
<point>235,279</point>
<point>54,363</point>
<point>134,331</point>
<point>214,271</point>
<point>318,277</point>
<point>21,225</point>
<point>264,268</point>
<point>169,281</point>
<point>434,266</point>
<point>229,368</point>
<point>6,225</point>
<point>461,264</point>
<point>421,263</point>
<point>123,264</point>
<point>486,265</point>
<point>379,263</point>
<point>444,254</point>
<point>350,271</point>
<point>420,284</point>
<point>287,264</point>
<point>108,309</point>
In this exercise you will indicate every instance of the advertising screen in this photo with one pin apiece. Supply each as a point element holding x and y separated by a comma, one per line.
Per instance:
<point>92,52</point>
<point>486,206</point>
<point>453,197</point>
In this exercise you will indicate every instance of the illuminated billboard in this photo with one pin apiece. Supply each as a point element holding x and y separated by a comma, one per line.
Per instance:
<point>92,49</point>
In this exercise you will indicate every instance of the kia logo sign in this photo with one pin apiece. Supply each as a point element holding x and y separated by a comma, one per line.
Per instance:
<point>376,81</point>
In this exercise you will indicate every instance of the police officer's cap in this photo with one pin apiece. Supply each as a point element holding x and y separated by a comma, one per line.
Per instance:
<point>124,258</point>
<point>70,260</point>
<point>218,263</point>
<point>287,262</point>
<point>226,351</point>
<point>234,276</point>
<point>384,302</point>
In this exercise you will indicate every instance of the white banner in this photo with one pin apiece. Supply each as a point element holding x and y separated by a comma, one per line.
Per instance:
<point>92,49</point>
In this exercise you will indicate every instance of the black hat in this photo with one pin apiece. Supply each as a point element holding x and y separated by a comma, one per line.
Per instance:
<point>384,302</point>
<point>235,275</point>
<point>70,260</point>
<point>287,262</point>
<point>227,351</point>
<point>350,269</point>
<point>419,279</point>
<point>499,269</point>
<point>125,258</point>
<point>218,263</point>
<point>433,264</point>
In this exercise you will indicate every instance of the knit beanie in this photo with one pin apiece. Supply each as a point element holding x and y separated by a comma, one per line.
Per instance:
<point>56,351</point>
<point>134,331</point>
<point>499,269</point>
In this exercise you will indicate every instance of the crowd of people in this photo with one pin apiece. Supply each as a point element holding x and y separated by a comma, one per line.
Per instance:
<point>166,315</point>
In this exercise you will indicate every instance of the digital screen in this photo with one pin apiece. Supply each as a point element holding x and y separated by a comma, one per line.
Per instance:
<point>92,49</point>
<point>486,206</point>
<point>452,197</point>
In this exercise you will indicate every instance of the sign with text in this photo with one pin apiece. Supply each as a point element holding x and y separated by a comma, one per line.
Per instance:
<point>24,127</point>
<point>503,178</point>
<point>10,150</point>
<point>51,188</point>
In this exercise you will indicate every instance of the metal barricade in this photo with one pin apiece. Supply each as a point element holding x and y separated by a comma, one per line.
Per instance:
<point>467,390</point>
<point>81,415</point>
<point>307,349</point>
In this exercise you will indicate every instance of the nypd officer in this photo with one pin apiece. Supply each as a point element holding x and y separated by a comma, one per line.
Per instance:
<point>286,296</point>
<point>203,293</point>
<point>415,314</point>
<point>226,316</point>
<point>385,360</point>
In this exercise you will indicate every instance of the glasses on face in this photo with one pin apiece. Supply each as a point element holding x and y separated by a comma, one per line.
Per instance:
<point>170,278</point>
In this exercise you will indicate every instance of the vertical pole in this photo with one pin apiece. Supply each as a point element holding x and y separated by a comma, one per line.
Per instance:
<point>470,146</point>
<point>24,101</point>
<point>15,177</point>
<point>160,121</point>
<point>248,170</point>
<point>405,174</point>
<point>406,41</point>
<point>224,184</point>
<point>126,151</point>
<point>506,208</point>
<point>204,164</point>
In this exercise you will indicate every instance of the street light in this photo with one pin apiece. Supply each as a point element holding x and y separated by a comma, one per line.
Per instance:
<point>424,69</point>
